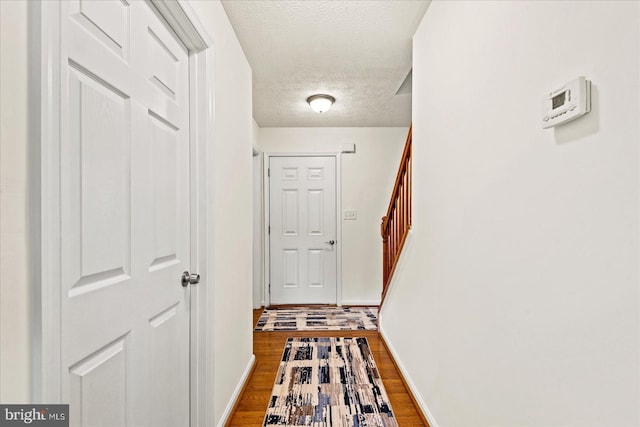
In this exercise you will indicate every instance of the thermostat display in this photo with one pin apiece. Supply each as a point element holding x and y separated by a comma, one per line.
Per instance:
<point>566,103</point>
<point>558,100</point>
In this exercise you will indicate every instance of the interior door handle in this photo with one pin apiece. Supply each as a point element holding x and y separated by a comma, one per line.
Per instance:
<point>190,279</point>
<point>331,242</point>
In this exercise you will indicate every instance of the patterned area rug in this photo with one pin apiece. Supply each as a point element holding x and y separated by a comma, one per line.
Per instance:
<point>319,319</point>
<point>328,382</point>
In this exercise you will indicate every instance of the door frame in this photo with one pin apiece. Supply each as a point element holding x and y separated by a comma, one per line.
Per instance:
<point>258,232</point>
<point>267,240</point>
<point>44,208</point>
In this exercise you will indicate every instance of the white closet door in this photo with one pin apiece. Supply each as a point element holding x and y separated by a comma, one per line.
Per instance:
<point>124,216</point>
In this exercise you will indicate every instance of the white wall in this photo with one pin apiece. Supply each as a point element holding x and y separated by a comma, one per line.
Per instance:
<point>232,261</point>
<point>518,300</point>
<point>367,181</point>
<point>14,274</point>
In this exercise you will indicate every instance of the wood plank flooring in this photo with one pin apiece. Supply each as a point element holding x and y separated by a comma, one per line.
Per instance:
<point>268,346</point>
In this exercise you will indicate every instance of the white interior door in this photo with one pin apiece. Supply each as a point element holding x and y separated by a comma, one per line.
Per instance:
<point>124,200</point>
<point>302,215</point>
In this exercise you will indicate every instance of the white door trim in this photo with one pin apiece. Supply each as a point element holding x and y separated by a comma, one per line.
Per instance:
<point>44,206</point>
<point>267,256</point>
<point>258,244</point>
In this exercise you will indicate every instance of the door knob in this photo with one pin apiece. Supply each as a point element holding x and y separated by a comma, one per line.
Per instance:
<point>331,242</point>
<point>190,279</point>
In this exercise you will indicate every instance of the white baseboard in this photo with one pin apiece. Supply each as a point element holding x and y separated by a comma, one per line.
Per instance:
<point>417,396</point>
<point>361,302</point>
<point>236,393</point>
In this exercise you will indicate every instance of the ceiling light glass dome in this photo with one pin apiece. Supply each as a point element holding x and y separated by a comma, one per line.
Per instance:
<point>320,103</point>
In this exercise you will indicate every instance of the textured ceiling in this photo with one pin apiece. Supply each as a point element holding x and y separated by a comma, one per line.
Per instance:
<point>357,51</point>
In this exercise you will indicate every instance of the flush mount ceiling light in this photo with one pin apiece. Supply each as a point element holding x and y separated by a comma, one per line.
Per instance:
<point>320,103</point>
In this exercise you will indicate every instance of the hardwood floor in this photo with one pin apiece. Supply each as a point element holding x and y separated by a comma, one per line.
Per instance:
<point>268,346</point>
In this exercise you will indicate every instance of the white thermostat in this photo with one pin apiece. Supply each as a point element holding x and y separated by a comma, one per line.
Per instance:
<point>566,103</point>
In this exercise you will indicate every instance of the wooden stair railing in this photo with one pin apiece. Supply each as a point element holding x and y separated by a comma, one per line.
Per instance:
<point>396,224</point>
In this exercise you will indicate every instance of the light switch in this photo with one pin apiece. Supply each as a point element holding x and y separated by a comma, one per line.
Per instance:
<point>350,215</point>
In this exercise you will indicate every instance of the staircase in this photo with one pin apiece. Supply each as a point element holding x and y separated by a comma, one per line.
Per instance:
<point>397,222</point>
